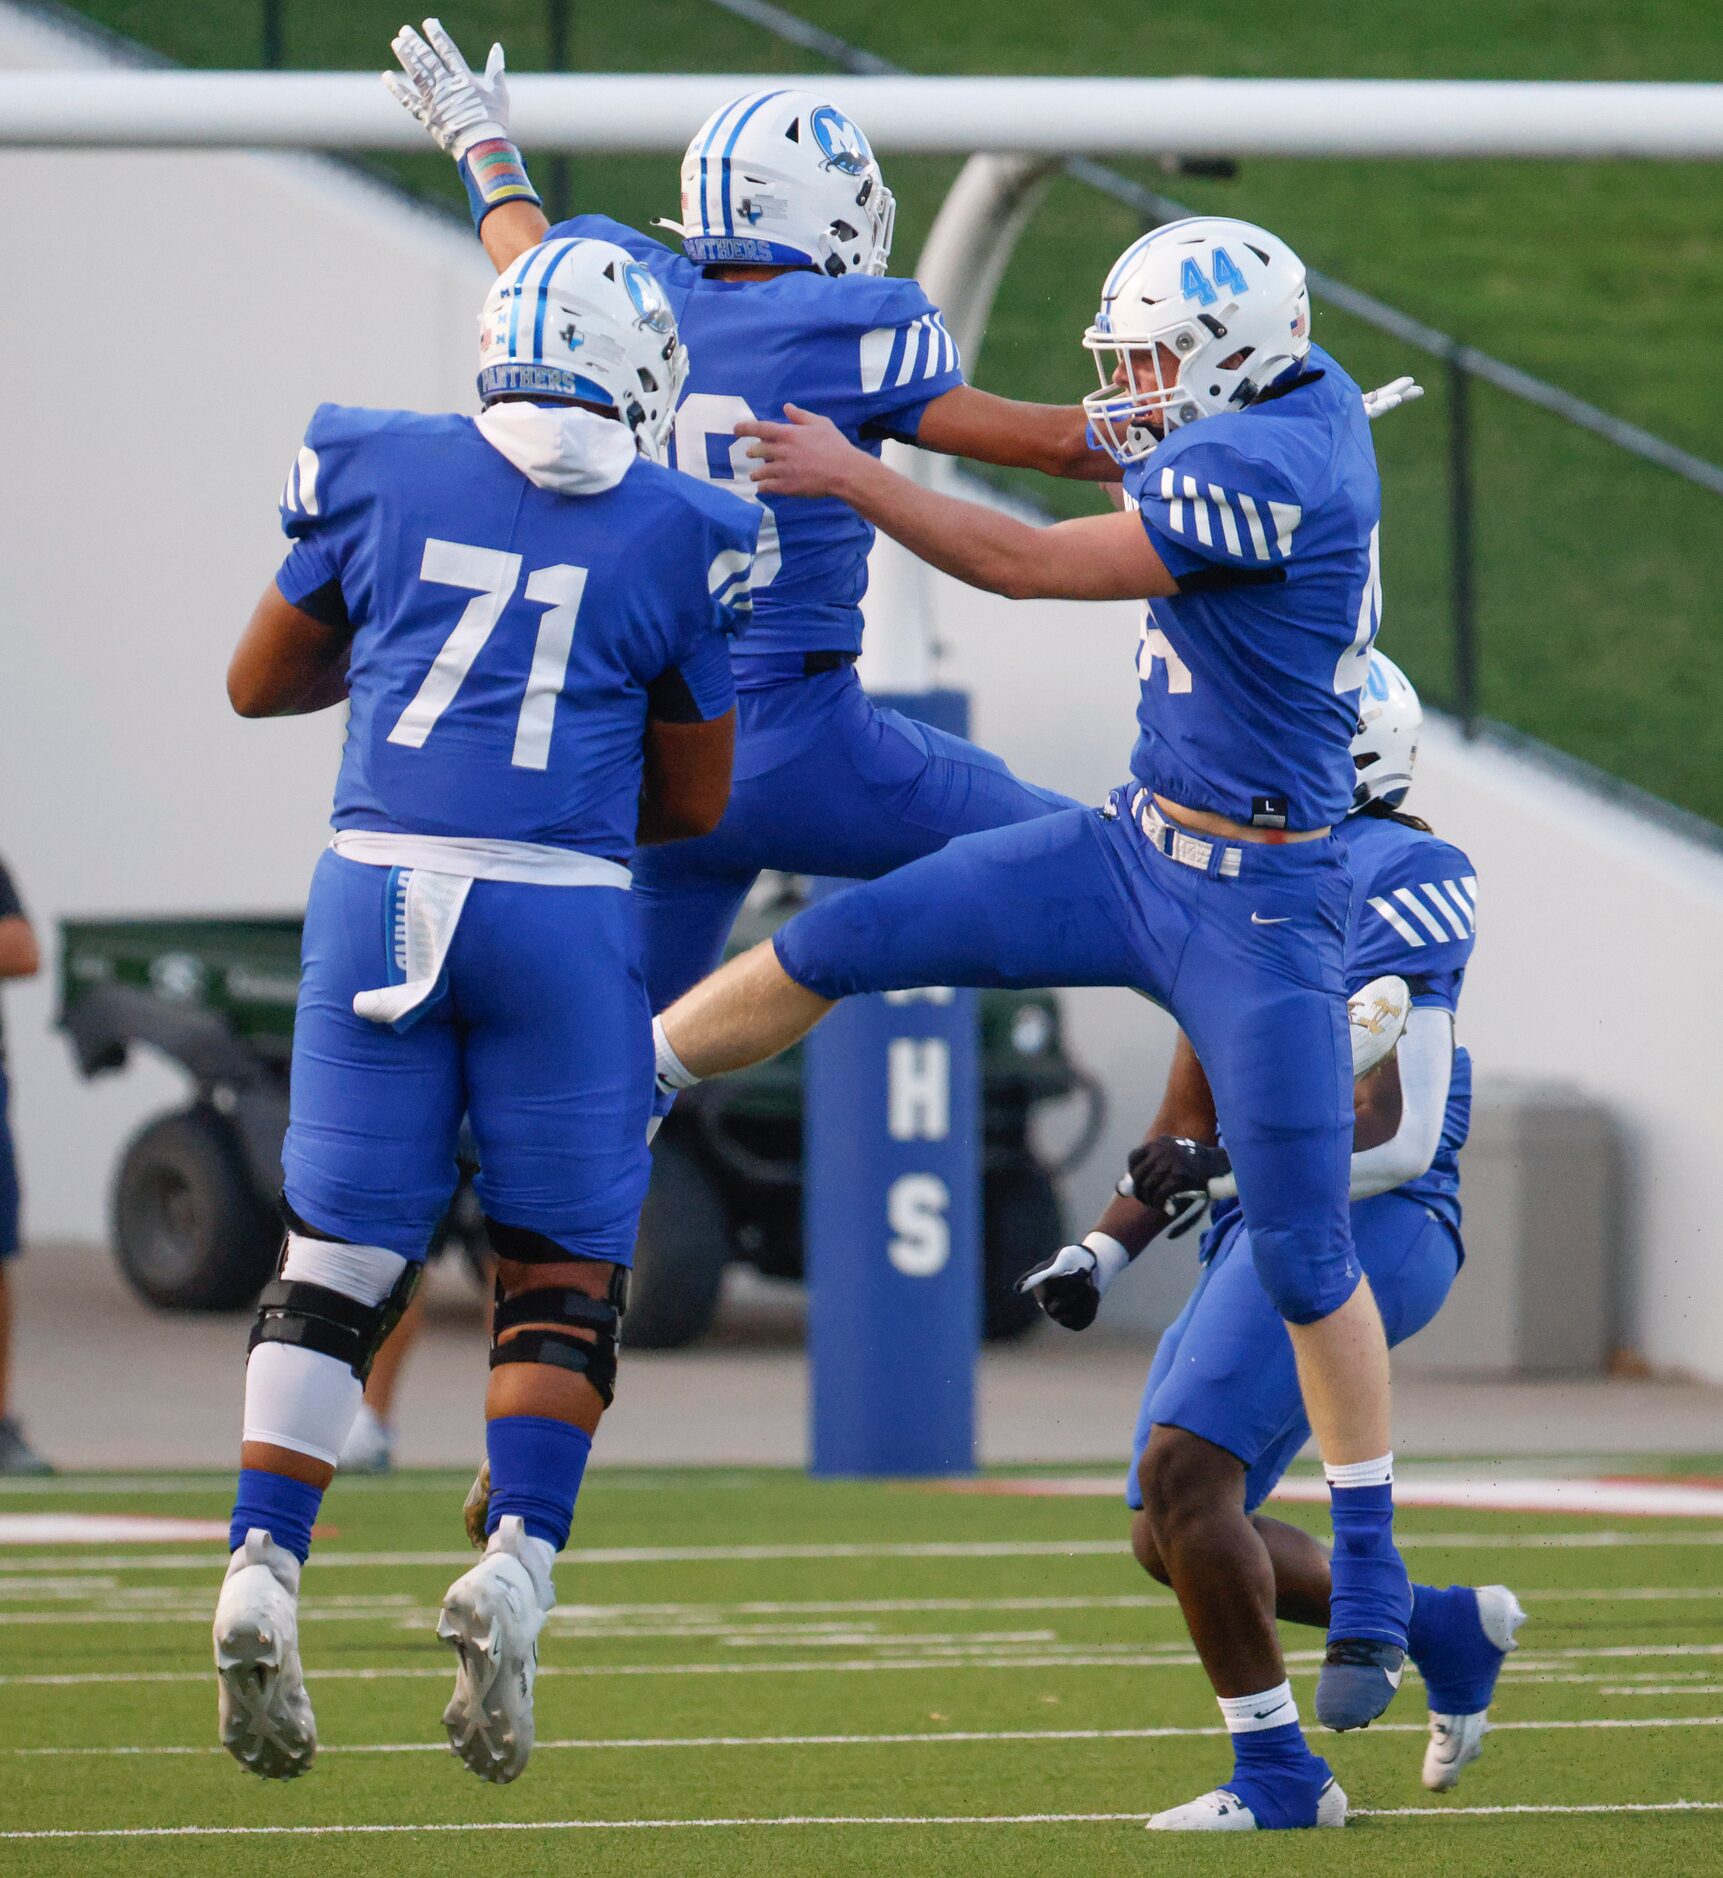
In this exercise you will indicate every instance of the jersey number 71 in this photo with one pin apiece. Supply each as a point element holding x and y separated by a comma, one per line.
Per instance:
<point>491,576</point>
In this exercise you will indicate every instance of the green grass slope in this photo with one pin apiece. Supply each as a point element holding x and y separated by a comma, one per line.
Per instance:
<point>1597,609</point>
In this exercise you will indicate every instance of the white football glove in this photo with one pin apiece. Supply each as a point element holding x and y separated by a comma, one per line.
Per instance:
<point>457,108</point>
<point>1384,398</point>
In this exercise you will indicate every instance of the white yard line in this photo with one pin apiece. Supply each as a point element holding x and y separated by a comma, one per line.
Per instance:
<point>326,1559</point>
<point>818,1819</point>
<point>1040,1656</point>
<point>931,1738</point>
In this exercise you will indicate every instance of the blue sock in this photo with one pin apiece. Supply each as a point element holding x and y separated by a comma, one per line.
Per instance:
<point>536,1465</point>
<point>1457,1660</point>
<point>1371,1597</point>
<point>1275,1774</point>
<point>284,1508</point>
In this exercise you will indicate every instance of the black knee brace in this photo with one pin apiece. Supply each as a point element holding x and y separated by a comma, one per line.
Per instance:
<point>292,1310</point>
<point>556,1312</point>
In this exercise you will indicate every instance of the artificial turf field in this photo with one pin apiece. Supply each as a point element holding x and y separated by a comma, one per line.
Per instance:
<point>752,1672</point>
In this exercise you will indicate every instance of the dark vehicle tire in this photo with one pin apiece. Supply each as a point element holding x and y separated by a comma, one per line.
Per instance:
<point>190,1230</point>
<point>681,1253</point>
<point>1022,1223</point>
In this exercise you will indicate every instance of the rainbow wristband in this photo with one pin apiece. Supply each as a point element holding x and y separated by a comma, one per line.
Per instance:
<point>494,173</point>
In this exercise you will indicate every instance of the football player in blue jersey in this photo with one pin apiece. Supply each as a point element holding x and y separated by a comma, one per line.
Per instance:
<point>1221,1418</point>
<point>778,284</point>
<point>1213,882</point>
<point>530,618</point>
<point>781,294</point>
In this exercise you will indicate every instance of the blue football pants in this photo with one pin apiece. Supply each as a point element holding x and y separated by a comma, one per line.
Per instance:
<point>1251,966</point>
<point>1224,1370</point>
<point>829,783</point>
<point>538,1032</point>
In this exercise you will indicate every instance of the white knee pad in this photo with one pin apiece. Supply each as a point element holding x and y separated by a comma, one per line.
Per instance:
<point>365,1272</point>
<point>300,1398</point>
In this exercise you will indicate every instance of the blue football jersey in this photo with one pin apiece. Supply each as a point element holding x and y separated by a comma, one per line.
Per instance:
<point>1268,518</point>
<point>509,642</point>
<point>869,353</point>
<point>1414,913</point>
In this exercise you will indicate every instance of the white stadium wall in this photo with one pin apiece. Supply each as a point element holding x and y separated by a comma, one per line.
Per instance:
<point>172,319</point>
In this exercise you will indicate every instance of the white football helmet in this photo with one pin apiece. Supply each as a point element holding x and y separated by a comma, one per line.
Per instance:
<point>783,178</point>
<point>1207,289</point>
<point>584,320</point>
<point>1386,744</point>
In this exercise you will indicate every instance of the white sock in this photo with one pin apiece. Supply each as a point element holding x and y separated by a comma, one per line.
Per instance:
<point>538,1556</point>
<point>673,1073</point>
<point>1362,1473</point>
<point>1249,1714</point>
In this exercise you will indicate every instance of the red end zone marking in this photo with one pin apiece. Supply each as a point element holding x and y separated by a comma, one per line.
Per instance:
<point>1650,1497</point>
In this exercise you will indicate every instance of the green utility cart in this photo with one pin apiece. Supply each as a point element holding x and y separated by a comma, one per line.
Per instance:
<point>193,1216</point>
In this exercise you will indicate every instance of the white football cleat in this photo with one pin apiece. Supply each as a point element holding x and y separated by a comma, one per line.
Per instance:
<point>1221,1811</point>
<point>266,1720</point>
<point>1457,1740</point>
<point>492,1617</point>
<point>370,1444</point>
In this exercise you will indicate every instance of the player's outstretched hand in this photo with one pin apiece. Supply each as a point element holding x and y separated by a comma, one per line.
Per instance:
<point>1171,1175</point>
<point>1069,1286</point>
<point>1390,397</point>
<point>806,455</point>
<point>457,108</point>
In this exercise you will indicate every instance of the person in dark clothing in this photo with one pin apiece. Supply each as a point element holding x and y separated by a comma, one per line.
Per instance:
<point>20,957</point>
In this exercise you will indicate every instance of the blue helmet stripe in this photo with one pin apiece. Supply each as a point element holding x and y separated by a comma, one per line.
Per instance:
<point>555,261</point>
<point>706,216</point>
<point>736,129</point>
<point>1136,248</point>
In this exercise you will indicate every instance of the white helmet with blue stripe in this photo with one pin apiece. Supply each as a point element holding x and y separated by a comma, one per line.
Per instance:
<point>583,320</point>
<point>785,179</point>
<point>1386,743</point>
<point>1197,317</point>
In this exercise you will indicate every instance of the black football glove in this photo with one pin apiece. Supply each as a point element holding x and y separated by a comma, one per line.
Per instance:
<point>1171,1175</point>
<point>1069,1286</point>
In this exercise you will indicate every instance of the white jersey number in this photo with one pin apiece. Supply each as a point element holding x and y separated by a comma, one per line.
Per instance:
<point>491,577</point>
<point>1153,644</point>
<point>1354,663</point>
<point>705,414</point>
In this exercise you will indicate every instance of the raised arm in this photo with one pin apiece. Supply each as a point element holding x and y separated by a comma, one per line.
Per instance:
<point>466,115</point>
<point>1101,557</point>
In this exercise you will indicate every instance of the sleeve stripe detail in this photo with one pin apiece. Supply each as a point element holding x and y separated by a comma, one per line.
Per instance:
<point>1176,512</point>
<point>1228,527</point>
<point>1258,540</point>
<point>1287,516</point>
<point>1433,894</point>
<point>1469,886</point>
<point>896,354</point>
<point>1199,509</point>
<point>300,490</point>
<point>1394,920</point>
<point>1459,900</point>
<point>1415,907</point>
<point>876,350</point>
<point>911,349</point>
